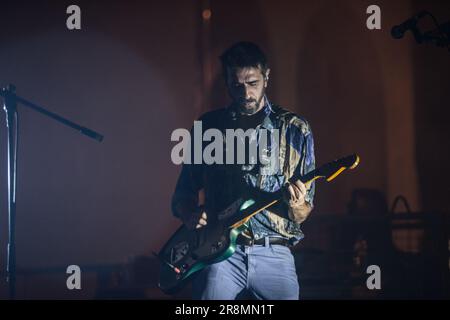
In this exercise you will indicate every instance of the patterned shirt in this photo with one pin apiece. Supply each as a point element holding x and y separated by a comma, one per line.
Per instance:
<point>222,183</point>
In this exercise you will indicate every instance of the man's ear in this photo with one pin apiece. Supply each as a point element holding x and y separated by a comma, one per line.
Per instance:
<point>266,77</point>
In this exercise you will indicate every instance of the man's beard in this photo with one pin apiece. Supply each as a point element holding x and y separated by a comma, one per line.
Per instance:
<point>250,106</point>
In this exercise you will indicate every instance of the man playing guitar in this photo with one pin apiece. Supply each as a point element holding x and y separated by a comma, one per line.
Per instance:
<point>262,264</point>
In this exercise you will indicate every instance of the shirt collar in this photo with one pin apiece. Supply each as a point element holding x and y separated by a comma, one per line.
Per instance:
<point>267,122</point>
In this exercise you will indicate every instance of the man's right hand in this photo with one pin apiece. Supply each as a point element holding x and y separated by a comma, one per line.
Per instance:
<point>195,221</point>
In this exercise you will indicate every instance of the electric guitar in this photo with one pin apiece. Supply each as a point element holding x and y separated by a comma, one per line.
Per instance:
<point>189,251</point>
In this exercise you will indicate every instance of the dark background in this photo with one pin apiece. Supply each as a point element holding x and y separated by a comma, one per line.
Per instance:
<point>140,69</point>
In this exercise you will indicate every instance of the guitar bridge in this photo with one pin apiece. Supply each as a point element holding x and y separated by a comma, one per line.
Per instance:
<point>178,271</point>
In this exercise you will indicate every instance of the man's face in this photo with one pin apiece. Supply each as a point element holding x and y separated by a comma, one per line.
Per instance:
<point>247,87</point>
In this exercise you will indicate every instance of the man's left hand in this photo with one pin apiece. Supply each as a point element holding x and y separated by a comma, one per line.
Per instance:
<point>295,195</point>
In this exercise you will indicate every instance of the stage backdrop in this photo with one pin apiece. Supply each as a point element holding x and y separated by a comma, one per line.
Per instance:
<point>137,70</point>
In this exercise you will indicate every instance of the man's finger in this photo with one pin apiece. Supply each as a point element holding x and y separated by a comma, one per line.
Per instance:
<point>292,194</point>
<point>301,189</point>
<point>297,192</point>
<point>204,215</point>
<point>301,186</point>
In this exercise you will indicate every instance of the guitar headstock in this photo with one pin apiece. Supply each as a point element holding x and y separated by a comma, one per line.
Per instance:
<point>332,169</point>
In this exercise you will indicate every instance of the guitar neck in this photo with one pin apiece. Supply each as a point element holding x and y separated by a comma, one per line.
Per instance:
<point>307,178</point>
<point>264,200</point>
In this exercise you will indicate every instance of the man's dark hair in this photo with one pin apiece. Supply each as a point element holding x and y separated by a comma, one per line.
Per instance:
<point>242,55</point>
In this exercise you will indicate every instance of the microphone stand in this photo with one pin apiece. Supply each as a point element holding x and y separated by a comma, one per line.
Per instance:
<point>439,36</point>
<point>10,101</point>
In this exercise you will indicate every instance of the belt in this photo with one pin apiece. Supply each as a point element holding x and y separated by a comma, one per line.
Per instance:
<point>244,241</point>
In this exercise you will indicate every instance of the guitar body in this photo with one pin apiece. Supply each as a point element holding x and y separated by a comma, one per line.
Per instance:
<point>192,250</point>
